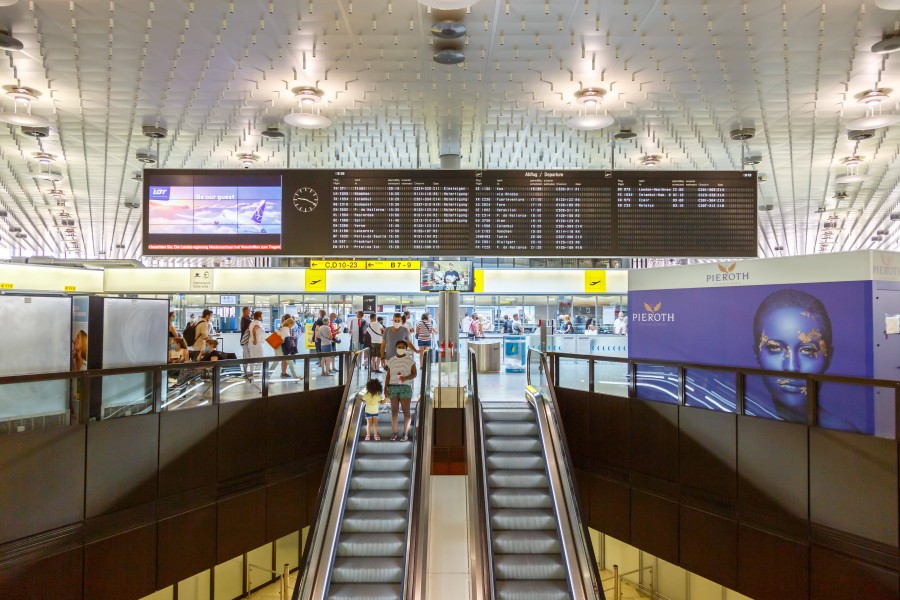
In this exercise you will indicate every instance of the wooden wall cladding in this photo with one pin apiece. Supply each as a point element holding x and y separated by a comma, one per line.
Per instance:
<point>167,495</point>
<point>771,509</point>
<point>42,475</point>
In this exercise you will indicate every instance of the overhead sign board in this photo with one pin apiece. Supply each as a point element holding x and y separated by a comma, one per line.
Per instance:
<point>201,280</point>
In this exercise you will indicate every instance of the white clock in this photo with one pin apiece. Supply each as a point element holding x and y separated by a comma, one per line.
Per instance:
<point>306,199</point>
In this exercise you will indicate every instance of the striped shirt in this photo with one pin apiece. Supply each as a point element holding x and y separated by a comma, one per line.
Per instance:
<point>423,331</point>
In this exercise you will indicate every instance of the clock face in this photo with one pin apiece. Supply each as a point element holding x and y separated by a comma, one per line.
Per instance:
<point>306,199</point>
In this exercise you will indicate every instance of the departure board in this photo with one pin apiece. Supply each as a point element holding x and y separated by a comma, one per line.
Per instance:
<point>442,213</point>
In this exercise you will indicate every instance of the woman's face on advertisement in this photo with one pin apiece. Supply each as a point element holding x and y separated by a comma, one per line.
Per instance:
<point>792,340</point>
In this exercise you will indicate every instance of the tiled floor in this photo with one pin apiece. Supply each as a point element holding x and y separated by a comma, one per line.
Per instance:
<point>448,554</point>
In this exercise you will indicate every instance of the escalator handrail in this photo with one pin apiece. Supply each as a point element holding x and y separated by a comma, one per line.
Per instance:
<point>479,495</point>
<point>414,583</point>
<point>586,563</point>
<point>316,537</point>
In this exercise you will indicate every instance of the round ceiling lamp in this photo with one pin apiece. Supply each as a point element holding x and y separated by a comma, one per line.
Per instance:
<point>8,42</point>
<point>874,118</point>
<point>651,160</point>
<point>449,56</point>
<point>852,176</point>
<point>887,45</point>
<point>22,96</point>
<point>448,4</point>
<point>7,2</point>
<point>849,178</point>
<point>590,122</point>
<point>888,4</point>
<point>590,98</point>
<point>307,117</point>
<point>448,30</point>
<point>49,176</point>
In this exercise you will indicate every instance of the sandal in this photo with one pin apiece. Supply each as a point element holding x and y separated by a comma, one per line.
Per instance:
<point>367,438</point>
<point>377,439</point>
<point>405,437</point>
<point>393,437</point>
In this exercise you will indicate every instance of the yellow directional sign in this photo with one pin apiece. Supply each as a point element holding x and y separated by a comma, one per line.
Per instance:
<point>477,280</point>
<point>393,265</point>
<point>69,288</point>
<point>337,264</point>
<point>315,280</point>
<point>6,286</point>
<point>595,282</point>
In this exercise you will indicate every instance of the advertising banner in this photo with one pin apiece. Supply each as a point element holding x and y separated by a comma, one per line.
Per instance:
<point>804,328</point>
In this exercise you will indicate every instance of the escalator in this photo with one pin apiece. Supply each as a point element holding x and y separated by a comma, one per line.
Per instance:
<point>369,537</point>
<point>530,540</point>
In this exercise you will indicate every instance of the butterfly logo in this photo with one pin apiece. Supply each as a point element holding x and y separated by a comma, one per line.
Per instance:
<point>653,309</point>
<point>725,269</point>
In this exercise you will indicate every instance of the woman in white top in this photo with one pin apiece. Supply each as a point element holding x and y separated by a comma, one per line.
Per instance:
<point>286,348</point>
<point>325,338</point>
<point>376,333</point>
<point>257,338</point>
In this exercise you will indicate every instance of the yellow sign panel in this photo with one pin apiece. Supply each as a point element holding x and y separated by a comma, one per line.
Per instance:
<point>478,280</point>
<point>393,265</point>
<point>595,282</point>
<point>315,280</point>
<point>310,341</point>
<point>69,288</point>
<point>338,265</point>
<point>6,286</point>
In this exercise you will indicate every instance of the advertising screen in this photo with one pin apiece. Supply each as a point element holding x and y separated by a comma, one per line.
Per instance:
<point>447,275</point>
<point>214,212</point>
<point>796,328</point>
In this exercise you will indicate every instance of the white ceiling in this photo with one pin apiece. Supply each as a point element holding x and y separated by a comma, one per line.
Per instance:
<point>681,73</point>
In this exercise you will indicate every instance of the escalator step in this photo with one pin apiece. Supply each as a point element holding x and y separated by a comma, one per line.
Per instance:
<point>520,478</point>
<point>517,428</point>
<point>372,544</point>
<point>373,521</point>
<point>515,460</point>
<point>511,443</point>
<point>364,591</point>
<point>514,414</point>
<point>520,498</point>
<point>529,566</point>
<point>382,462</point>
<point>532,590</point>
<point>380,480</point>
<point>526,542</point>
<point>385,446</point>
<point>378,500</point>
<point>388,569</point>
<point>527,519</point>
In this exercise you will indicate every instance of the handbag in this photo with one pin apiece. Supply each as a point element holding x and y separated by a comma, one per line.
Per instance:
<point>275,340</point>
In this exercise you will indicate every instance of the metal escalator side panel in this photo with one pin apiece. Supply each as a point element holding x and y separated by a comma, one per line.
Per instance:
<point>345,429</point>
<point>576,547</point>
<point>480,553</point>
<point>416,578</point>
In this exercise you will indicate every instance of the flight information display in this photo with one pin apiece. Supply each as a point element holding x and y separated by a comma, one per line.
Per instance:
<point>380,213</point>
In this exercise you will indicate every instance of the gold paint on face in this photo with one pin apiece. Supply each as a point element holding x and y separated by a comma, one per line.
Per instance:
<point>762,340</point>
<point>814,336</point>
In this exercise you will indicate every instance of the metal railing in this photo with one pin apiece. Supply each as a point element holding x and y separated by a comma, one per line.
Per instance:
<point>481,560</point>
<point>414,583</point>
<point>584,575</point>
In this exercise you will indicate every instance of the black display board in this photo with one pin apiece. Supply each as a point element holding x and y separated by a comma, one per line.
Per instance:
<point>379,213</point>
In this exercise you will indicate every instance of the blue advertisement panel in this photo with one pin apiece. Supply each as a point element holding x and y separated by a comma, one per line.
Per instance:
<point>802,328</point>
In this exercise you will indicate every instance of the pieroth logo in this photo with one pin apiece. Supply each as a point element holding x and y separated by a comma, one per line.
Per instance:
<point>653,314</point>
<point>887,269</point>
<point>727,273</point>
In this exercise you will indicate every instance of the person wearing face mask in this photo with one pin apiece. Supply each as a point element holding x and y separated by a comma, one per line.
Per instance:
<point>401,370</point>
<point>178,351</point>
<point>326,341</point>
<point>393,334</point>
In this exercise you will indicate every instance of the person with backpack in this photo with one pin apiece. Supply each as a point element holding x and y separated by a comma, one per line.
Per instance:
<point>245,339</point>
<point>201,331</point>
<point>426,332</point>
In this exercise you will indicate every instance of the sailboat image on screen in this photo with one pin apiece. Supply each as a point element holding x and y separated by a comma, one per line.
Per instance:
<point>254,220</point>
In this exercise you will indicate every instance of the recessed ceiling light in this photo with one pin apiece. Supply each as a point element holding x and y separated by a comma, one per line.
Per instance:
<point>590,122</point>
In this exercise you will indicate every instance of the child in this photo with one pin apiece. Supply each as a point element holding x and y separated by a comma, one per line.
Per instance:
<point>373,399</point>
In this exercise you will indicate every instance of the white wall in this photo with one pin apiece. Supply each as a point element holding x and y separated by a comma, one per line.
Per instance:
<point>38,278</point>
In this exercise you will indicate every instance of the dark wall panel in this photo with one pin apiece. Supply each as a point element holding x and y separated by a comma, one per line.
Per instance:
<point>122,566</point>
<point>313,483</point>
<point>610,419</point>
<point>576,419</point>
<point>853,484</point>
<point>287,437</point>
<point>42,475</point>
<point>833,575</point>
<point>241,524</point>
<point>242,438</point>
<point>763,444</point>
<point>324,406</point>
<point>187,449</point>
<point>285,507</point>
<point>57,576</point>
<point>708,546</point>
<point>708,451</point>
<point>121,463</point>
<point>654,431</point>
<point>654,525</point>
<point>187,545</point>
<point>771,567</point>
<point>610,510</point>
<point>449,427</point>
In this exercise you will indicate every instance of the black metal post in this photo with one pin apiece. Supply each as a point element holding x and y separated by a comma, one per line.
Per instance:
<point>591,363</point>
<point>740,388</point>
<point>812,402</point>
<point>216,384</point>
<point>306,373</point>
<point>264,378</point>
<point>156,392</point>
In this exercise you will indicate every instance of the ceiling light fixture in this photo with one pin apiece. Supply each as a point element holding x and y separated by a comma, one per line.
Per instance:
<point>447,4</point>
<point>307,117</point>
<point>248,159</point>
<point>24,97</point>
<point>44,158</point>
<point>874,119</point>
<point>651,160</point>
<point>448,30</point>
<point>887,45</point>
<point>852,176</point>
<point>145,157</point>
<point>8,42</point>
<point>888,4</point>
<point>590,98</point>
<point>449,56</point>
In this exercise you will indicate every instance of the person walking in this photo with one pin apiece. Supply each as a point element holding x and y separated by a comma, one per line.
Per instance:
<point>245,339</point>
<point>173,333</point>
<point>392,335</point>
<point>318,323</point>
<point>201,331</point>
<point>257,339</point>
<point>516,327</point>
<point>426,334</point>
<point>326,341</point>
<point>401,370</point>
<point>358,329</point>
<point>288,347</point>
<point>376,333</point>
